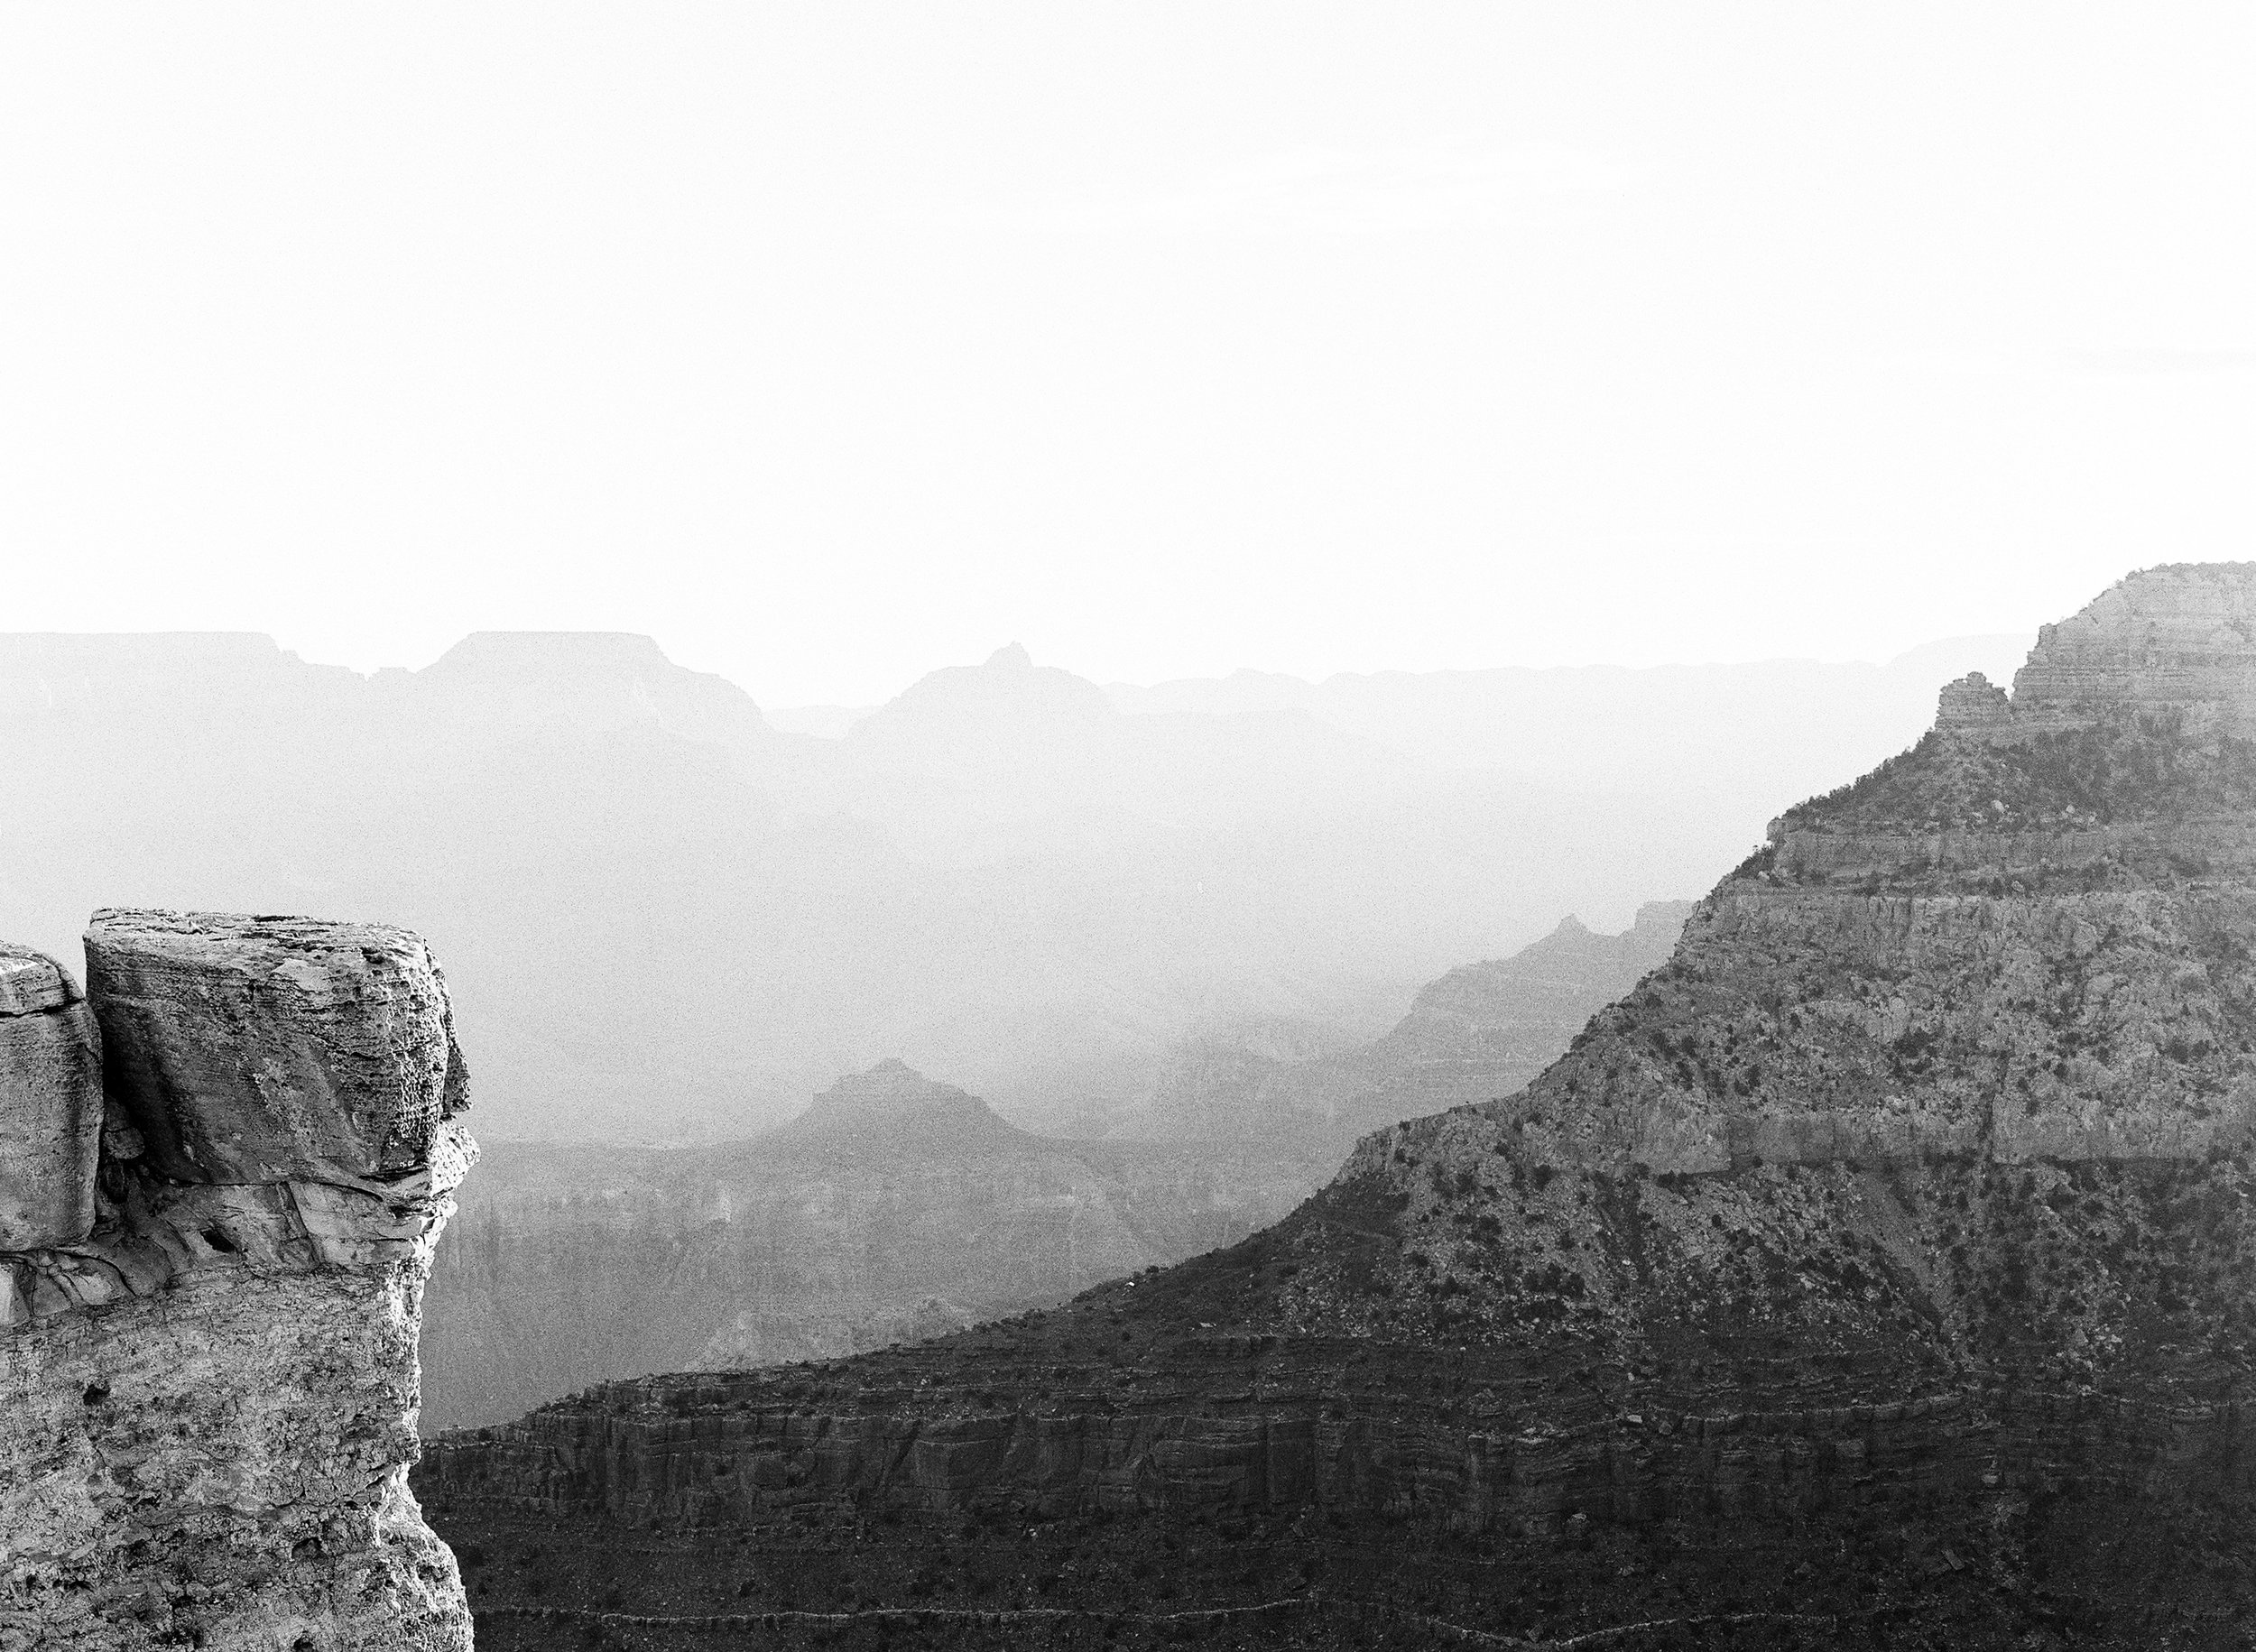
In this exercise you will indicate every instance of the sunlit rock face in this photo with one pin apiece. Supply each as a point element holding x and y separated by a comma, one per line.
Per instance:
<point>2182,636</point>
<point>208,1329</point>
<point>1875,1271</point>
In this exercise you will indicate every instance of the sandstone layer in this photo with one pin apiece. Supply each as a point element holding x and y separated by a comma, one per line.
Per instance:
<point>1874,1273</point>
<point>208,1331</point>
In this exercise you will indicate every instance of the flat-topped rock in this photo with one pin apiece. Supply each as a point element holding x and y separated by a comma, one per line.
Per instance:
<point>889,1098</point>
<point>254,1050</point>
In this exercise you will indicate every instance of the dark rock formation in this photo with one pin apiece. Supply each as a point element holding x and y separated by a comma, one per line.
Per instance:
<point>207,1379</point>
<point>1874,1273</point>
<point>894,1208</point>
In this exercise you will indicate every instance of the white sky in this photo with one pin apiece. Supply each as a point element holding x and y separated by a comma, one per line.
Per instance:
<point>829,343</point>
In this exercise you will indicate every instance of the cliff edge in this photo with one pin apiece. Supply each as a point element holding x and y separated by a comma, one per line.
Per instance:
<point>223,1168</point>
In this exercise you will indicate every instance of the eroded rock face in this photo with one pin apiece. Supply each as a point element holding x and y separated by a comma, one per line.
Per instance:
<point>51,1104</point>
<point>2182,636</point>
<point>207,1364</point>
<point>252,1050</point>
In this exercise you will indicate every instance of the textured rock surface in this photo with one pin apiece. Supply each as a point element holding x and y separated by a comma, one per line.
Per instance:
<point>50,1104</point>
<point>2181,637</point>
<point>1876,1272</point>
<point>249,1049</point>
<point>895,1207</point>
<point>209,1391</point>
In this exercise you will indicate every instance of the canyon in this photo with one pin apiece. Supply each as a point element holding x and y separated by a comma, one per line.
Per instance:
<point>1874,1272</point>
<point>897,1207</point>
<point>223,1166</point>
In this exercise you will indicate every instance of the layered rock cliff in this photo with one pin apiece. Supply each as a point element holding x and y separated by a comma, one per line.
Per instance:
<point>1875,1272</point>
<point>895,1208</point>
<point>222,1167</point>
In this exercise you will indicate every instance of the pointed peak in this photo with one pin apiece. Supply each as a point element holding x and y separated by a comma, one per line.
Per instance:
<point>1571,925</point>
<point>1012,657</point>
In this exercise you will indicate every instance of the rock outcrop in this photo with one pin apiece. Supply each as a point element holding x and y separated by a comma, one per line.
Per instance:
<point>51,1104</point>
<point>2179,639</point>
<point>223,1169</point>
<point>1875,1272</point>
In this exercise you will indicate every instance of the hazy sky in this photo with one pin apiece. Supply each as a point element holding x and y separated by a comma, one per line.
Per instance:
<point>828,343</point>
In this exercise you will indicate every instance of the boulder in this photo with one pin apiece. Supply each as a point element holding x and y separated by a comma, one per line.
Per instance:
<point>257,1050</point>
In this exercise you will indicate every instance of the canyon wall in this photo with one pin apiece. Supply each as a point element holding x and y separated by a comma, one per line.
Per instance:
<point>222,1167</point>
<point>1873,1272</point>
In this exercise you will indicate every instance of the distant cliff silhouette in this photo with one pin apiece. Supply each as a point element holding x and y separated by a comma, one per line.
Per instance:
<point>666,920</point>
